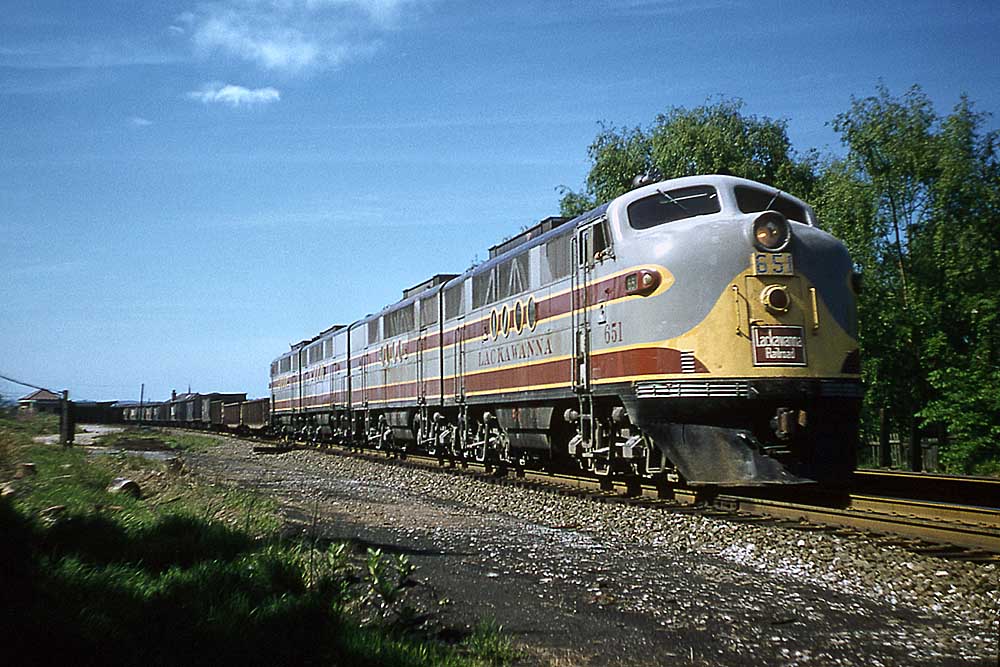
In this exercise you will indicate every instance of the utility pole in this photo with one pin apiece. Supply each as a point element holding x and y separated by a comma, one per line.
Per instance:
<point>142,395</point>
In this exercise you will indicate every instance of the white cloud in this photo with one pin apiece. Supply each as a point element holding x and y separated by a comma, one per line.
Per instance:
<point>138,121</point>
<point>293,36</point>
<point>235,96</point>
<point>271,48</point>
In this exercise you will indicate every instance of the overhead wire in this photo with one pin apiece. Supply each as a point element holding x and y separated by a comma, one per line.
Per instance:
<point>25,384</point>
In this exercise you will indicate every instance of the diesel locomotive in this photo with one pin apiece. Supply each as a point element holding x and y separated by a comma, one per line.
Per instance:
<point>699,329</point>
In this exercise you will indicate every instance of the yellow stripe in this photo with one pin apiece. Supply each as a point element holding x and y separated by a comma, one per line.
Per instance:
<point>531,387</point>
<point>666,282</point>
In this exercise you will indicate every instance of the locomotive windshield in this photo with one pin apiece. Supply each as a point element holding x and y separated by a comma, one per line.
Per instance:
<point>673,205</point>
<point>754,200</point>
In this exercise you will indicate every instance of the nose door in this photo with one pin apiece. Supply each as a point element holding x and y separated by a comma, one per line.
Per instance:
<point>458,352</point>
<point>781,310</point>
<point>580,307</point>
<point>421,377</point>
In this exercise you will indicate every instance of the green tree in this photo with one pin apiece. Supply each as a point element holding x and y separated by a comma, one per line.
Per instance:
<point>890,143</point>
<point>617,156</point>
<point>921,219</point>
<point>957,264</point>
<point>720,138</point>
<point>847,206</point>
<point>715,138</point>
<point>887,141</point>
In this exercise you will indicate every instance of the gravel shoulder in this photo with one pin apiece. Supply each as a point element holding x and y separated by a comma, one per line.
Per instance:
<point>581,583</point>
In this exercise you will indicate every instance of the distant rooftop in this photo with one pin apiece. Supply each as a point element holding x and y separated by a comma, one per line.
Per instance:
<point>41,395</point>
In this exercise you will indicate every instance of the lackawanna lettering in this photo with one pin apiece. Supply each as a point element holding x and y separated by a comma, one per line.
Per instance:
<point>770,340</point>
<point>779,346</point>
<point>518,351</point>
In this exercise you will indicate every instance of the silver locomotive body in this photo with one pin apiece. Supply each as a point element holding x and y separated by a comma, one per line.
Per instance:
<point>700,328</point>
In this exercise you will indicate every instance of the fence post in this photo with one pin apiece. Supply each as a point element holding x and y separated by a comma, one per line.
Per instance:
<point>916,451</point>
<point>884,453</point>
<point>66,427</point>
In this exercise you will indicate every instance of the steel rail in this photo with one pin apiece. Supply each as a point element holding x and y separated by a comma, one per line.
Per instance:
<point>968,528</point>
<point>981,491</point>
<point>928,476</point>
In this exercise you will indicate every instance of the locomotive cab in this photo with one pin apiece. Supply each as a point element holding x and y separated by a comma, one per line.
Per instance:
<point>756,325</point>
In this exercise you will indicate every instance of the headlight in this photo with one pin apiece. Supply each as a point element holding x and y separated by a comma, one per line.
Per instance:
<point>775,298</point>
<point>642,282</point>
<point>771,231</point>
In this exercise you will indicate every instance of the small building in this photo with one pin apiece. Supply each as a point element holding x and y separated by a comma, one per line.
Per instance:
<point>42,401</point>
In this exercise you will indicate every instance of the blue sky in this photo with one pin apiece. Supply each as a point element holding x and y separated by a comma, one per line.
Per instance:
<point>188,187</point>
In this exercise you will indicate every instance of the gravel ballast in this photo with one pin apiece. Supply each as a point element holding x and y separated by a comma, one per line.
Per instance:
<point>581,582</point>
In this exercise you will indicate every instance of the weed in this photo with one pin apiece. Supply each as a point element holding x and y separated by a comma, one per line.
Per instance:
<point>488,643</point>
<point>192,573</point>
<point>387,581</point>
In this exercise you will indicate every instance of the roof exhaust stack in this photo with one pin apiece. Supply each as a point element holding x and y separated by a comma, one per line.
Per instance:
<point>647,178</point>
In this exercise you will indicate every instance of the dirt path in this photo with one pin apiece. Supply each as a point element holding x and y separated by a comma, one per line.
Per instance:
<point>85,436</point>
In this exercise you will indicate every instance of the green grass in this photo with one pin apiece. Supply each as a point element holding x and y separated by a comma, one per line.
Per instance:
<point>191,573</point>
<point>15,430</point>
<point>29,426</point>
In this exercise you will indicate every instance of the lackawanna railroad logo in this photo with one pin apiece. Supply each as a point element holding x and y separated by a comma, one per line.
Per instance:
<point>778,346</point>
<point>521,350</point>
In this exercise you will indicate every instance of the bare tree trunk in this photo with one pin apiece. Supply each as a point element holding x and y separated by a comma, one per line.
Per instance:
<point>916,451</point>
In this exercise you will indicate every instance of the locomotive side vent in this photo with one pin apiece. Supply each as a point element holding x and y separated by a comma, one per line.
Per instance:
<point>687,361</point>
<point>693,389</point>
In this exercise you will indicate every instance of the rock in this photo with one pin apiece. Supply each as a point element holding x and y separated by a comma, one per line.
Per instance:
<point>52,513</point>
<point>25,470</point>
<point>126,486</point>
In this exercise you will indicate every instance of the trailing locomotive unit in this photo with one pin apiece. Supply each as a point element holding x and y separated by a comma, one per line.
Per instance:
<point>700,328</point>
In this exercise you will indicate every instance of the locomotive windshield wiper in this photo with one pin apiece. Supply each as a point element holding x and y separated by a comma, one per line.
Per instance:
<point>672,200</point>
<point>773,199</point>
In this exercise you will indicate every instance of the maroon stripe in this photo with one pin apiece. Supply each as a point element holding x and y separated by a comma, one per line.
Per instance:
<point>642,361</point>
<point>604,366</point>
<point>550,372</point>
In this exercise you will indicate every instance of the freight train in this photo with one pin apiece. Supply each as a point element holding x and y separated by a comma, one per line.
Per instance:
<point>216,411</point>
<point>699,329</point>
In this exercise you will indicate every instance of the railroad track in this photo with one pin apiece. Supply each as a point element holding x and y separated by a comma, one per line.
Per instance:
<point>953,531</point>
<point>946,529</point>
<point>908,514</point>
<point>931,487</point>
